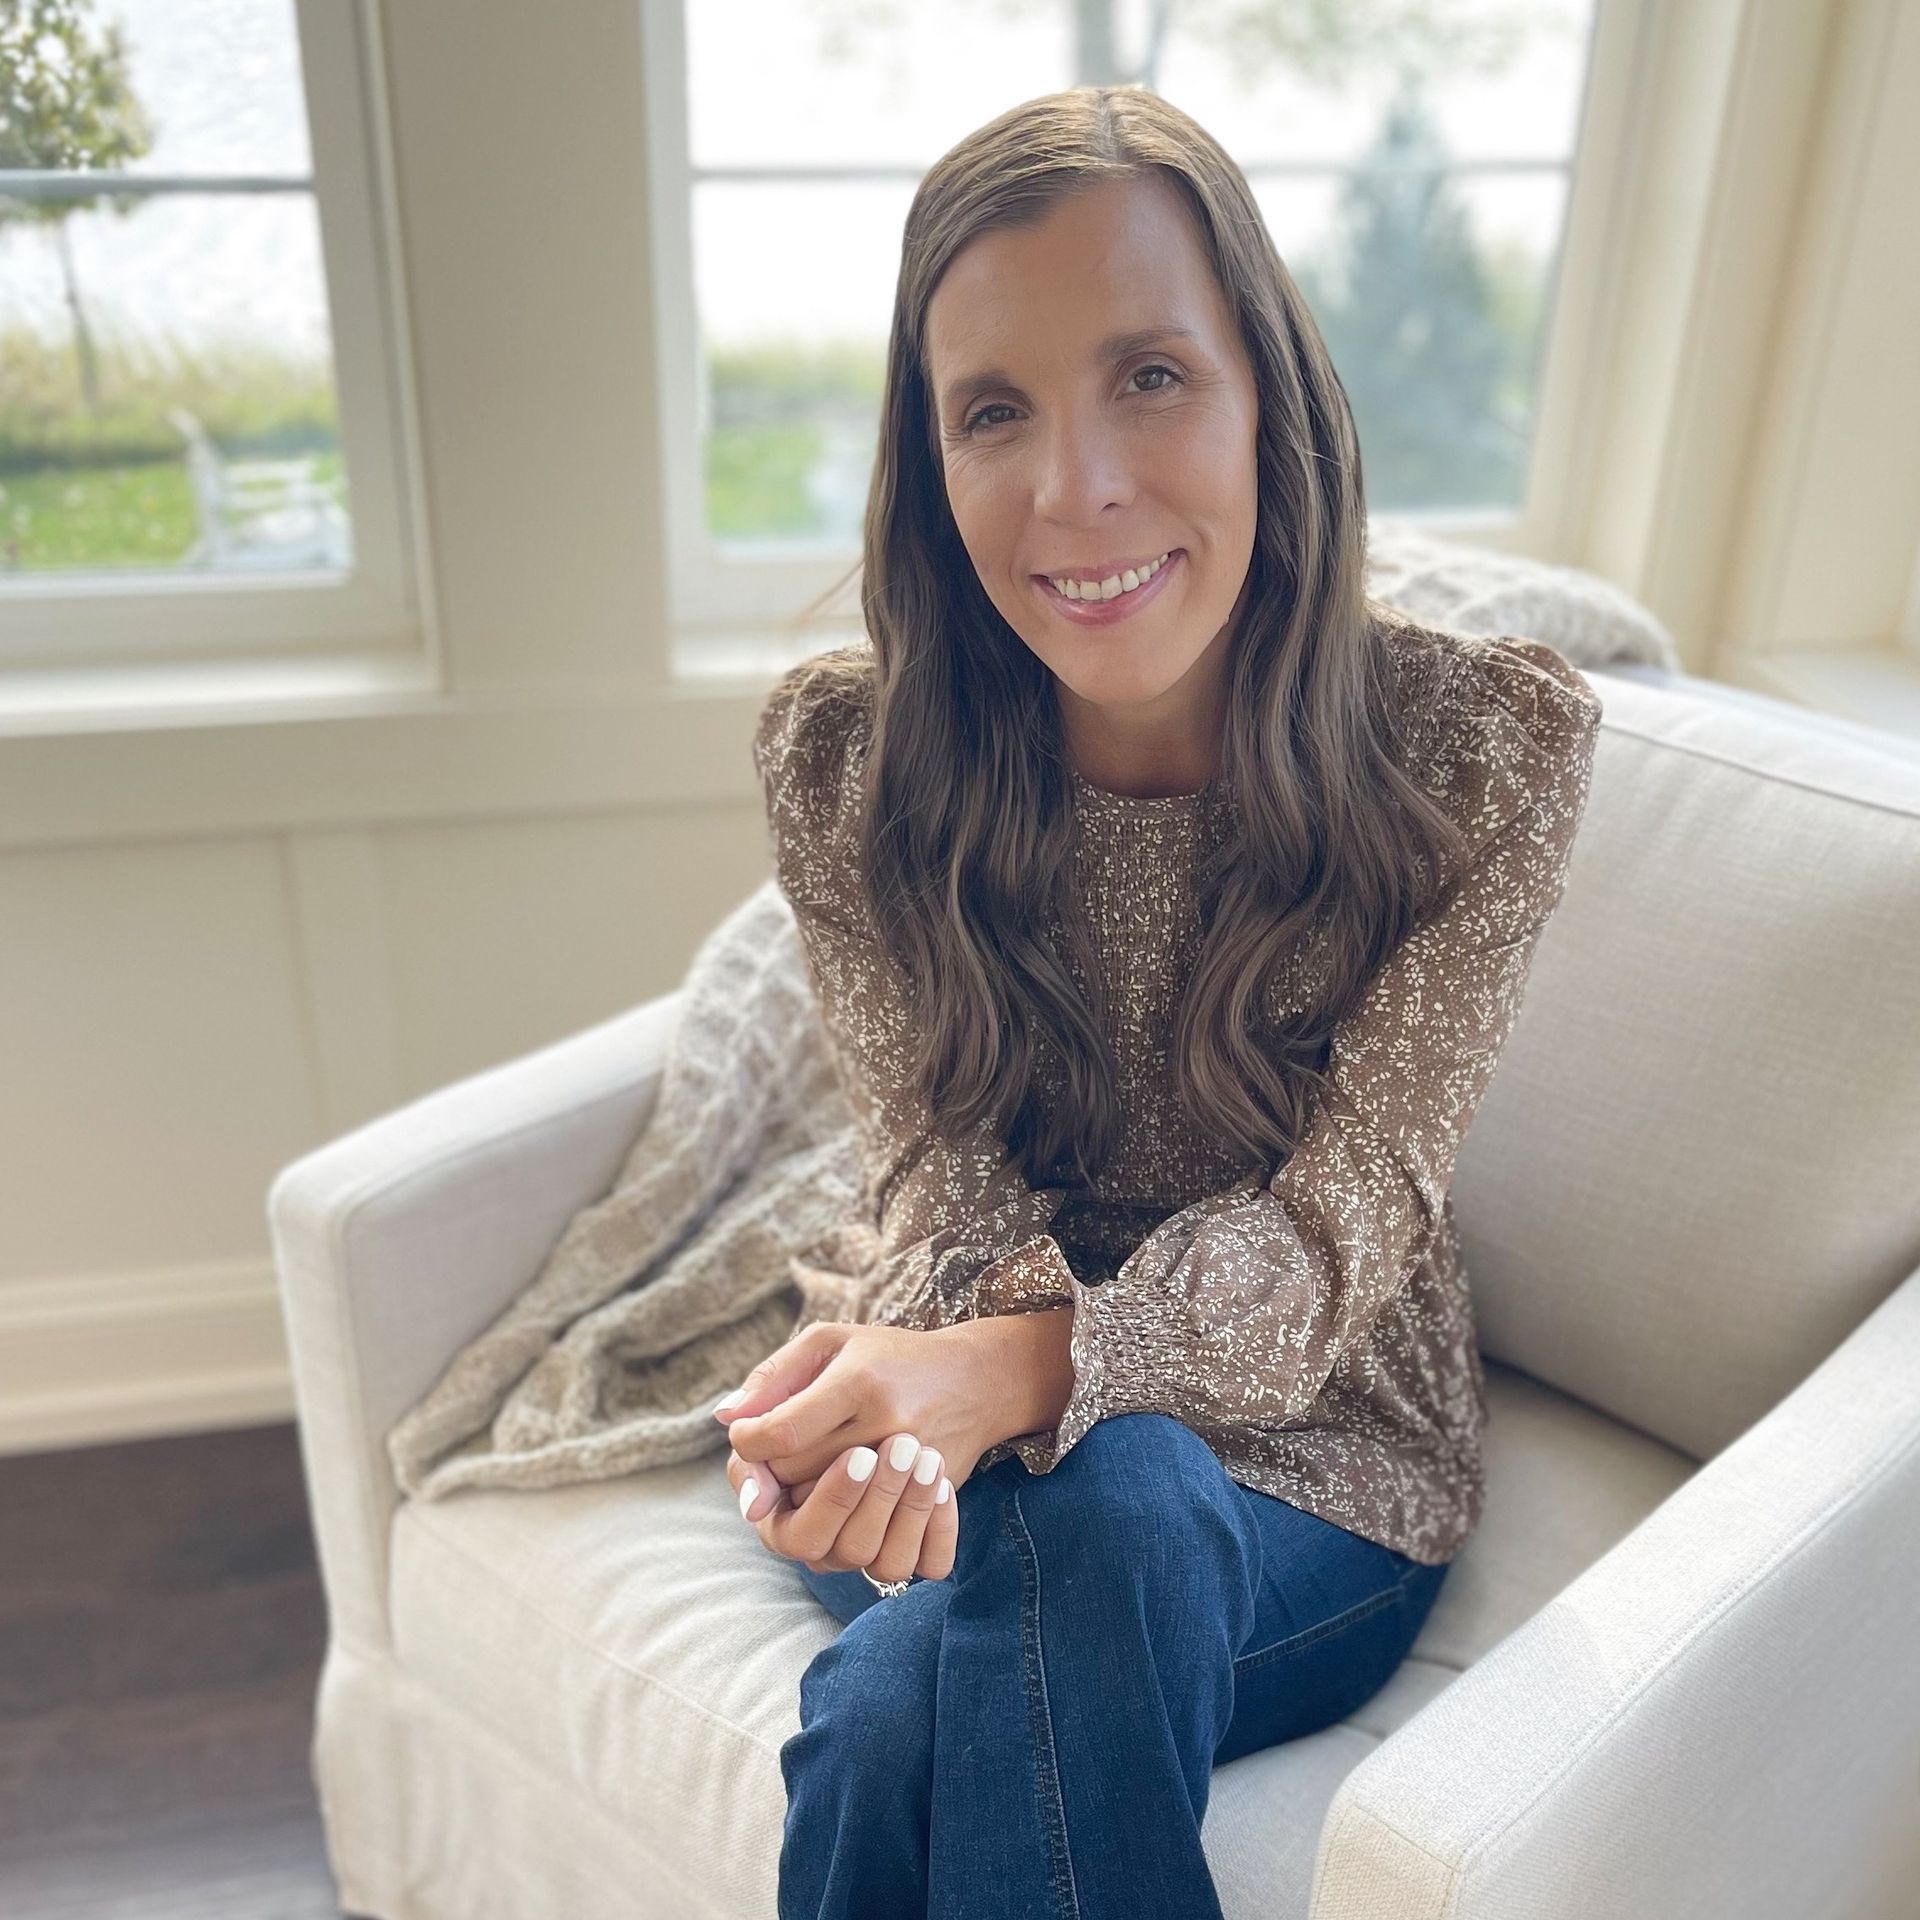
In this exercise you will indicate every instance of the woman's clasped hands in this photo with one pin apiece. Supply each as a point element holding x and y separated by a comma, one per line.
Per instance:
<point>853,1439</point>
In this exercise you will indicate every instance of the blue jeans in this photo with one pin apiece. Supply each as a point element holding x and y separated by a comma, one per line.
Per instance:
<point>1035,1735</point>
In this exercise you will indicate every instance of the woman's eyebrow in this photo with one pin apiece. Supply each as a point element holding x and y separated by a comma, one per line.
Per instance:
<point>1116,346</point>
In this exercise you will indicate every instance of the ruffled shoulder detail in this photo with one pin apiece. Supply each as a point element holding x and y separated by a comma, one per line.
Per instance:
<point>1538,685</point>
<point>1516,727</point>
<point>809,745</point>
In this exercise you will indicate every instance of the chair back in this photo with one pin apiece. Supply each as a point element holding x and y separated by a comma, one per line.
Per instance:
<point>1697,1167</point>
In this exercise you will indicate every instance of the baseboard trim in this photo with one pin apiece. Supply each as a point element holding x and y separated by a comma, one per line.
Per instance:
<point>88,1360</point>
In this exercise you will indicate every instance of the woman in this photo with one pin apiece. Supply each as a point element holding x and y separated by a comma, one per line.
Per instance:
<point>1168,903</point>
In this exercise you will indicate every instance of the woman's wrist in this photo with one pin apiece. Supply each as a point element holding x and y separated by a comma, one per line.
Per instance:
<point>1025,1369</point>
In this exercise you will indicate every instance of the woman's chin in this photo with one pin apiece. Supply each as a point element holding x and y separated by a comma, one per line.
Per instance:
<point>1118,683</point>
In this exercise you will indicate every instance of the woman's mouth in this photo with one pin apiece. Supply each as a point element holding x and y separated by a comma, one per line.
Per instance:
<point>1125,603</point>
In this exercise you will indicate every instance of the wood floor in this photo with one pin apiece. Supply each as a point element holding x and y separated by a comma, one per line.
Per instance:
<point>161,1631</point>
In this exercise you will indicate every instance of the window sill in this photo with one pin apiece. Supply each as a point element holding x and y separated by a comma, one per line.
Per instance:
<point>290,746</point>
<point>1875,685</point>
<point>719,657</point>
<point>147,696</point>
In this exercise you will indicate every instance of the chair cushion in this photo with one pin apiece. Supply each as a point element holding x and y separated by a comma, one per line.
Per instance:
<point>1695,1170</point>
<point>634,1638</point>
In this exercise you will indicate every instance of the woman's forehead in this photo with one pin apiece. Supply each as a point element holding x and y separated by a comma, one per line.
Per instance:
<point>1100,263</point>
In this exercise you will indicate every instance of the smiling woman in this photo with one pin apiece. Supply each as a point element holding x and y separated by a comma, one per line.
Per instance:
<point>1086,454</point>
<point>1168,903</point>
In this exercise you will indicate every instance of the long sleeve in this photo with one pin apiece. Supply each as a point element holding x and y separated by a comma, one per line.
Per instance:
<point>1237,1309</point>
<point>955,1231</point>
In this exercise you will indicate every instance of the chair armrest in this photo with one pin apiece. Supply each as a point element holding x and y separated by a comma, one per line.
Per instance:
<point>398,1243</point>
<point>1721,1715</point>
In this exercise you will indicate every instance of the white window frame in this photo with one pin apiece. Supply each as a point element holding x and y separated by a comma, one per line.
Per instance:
<point>753,593</point>
<point>150,617</point>
<point>712,594</point>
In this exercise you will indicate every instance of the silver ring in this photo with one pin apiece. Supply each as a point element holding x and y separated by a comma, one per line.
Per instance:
<point>887,1588</point>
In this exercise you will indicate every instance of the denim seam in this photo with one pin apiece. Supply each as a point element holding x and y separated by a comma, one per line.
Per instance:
<point>1053,1812</point>
<point>1309,1636</point>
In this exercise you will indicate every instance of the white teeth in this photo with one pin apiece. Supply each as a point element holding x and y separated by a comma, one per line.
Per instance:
<point>1113,586</point>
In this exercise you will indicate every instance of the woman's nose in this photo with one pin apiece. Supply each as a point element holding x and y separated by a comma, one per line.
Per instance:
<point>1080,471</point>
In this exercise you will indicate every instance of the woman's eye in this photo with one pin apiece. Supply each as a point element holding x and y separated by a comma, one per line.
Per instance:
<point>1000,406</point>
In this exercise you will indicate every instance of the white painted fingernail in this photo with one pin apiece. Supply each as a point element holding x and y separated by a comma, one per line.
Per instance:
<point>927,1465</point>
<point>905,1446</point>
<point>739,1393</point>
<point>940,1498</point>
<point>861,1462</point>
<point>749,1493</point>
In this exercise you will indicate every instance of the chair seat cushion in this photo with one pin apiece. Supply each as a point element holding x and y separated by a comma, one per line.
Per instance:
<point>633,1638</point>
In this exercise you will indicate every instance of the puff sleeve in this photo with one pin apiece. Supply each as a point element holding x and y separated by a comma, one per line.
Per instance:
<point>955,1231</point>
<point>1235,1310</point>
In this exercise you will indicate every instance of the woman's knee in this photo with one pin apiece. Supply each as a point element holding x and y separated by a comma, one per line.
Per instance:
<point>1135,1462</point>
<point>1142,1487</point>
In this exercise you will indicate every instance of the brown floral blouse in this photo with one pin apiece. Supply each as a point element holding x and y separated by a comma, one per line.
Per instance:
<point>1315,1326</point>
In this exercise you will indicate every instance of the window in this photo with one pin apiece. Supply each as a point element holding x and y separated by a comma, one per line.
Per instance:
<point>198,436</point>
<point>1414,164</point>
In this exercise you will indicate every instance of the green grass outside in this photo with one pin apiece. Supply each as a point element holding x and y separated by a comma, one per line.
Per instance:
<point>87,490</point>
<point>88,518</point>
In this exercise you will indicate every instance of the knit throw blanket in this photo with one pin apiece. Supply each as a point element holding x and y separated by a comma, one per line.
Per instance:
<point>663,1295</point>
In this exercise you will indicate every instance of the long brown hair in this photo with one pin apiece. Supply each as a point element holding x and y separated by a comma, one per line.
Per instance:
<point>968,818</point>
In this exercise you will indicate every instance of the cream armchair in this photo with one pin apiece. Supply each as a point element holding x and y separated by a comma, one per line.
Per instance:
<point>1674,1673</point>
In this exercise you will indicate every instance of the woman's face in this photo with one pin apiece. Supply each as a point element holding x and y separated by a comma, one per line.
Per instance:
<point>1072,453</point>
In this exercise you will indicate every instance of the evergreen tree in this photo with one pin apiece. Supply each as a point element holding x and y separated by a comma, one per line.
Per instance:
<point>1411,323</point>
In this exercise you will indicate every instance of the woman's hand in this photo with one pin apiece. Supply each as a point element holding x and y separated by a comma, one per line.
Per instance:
<point>837,1385</point>
<point>901,1519</point>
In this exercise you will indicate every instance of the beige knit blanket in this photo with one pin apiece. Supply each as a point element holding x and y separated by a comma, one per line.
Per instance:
<point>661,1296</point>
